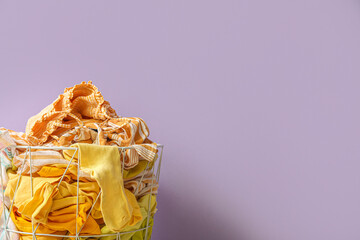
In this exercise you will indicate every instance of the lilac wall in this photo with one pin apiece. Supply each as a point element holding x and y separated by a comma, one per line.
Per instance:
<point>256,101</point>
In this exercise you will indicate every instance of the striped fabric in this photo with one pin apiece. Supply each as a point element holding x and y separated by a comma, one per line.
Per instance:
<point>126,132</point>
<point>6,156</point>
<point>11,225</point>
<point>81,115</point>
<point>122,132</point>
<point>17,138</point>
<point>7,153</point>
<point>39,158</point>
<point>142,185</point>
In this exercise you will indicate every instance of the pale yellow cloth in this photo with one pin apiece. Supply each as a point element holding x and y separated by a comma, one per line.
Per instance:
<point>118,206</point>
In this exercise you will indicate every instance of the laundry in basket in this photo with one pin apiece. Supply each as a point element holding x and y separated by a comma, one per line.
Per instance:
<point>79,171</point>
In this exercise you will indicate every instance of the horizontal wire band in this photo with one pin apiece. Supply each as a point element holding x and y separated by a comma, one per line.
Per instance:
<point>67,148</point>
<point>56,235</point>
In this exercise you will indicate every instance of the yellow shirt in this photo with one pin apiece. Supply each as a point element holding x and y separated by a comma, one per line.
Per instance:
<point>118,205</point>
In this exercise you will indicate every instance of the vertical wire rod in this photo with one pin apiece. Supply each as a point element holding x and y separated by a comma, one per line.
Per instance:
<point>159,166</point>
<point>32,192</point>
<point>93,205</point>
<point>16,188</point>
<point>3,199</point>
<point>77,196</point>
<point>67,167</point>
<point>149,204</point>
<point>142,177</point>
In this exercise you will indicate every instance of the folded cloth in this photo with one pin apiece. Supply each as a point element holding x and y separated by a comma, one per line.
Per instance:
<point>118,205</point>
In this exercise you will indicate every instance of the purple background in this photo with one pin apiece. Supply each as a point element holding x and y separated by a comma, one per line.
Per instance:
<point>256,102</point>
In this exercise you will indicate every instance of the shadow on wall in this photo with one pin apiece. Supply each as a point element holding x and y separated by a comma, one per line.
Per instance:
<point>179,220</point>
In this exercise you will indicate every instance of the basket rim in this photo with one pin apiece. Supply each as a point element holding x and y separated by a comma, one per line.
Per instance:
<point>66,148</point>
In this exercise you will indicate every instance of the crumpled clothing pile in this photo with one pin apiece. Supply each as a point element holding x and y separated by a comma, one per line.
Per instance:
<point>114,186</point>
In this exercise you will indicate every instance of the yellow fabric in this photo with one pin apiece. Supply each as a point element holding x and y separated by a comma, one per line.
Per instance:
<point>144,207</point>
<point>24,225</point>
<point>144,201</point>
<point>81,115</point>
<point>118,206</point>
<point>39,158</point>
<point>38,207</point>
<point>122,132</point>
<point>57,170</point>
<point>54,207</point>
<point>139,168</point>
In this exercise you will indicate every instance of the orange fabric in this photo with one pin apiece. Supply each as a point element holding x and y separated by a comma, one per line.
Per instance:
<point>142,185</point>
<point>79,115</point>
<point>24,224</point>
<point>79,102</point>
<point>122,132</point>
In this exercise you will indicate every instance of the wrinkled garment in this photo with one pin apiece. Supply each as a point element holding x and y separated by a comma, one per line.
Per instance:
<point>54,208</point>
<point>144,203</point>
<point>41,159</point>
<point>81,101</point>
<point>80,115</point>
<point>118,205</point>
<point>6,156</point>
<point>142,185</point>
<point>122,132</point>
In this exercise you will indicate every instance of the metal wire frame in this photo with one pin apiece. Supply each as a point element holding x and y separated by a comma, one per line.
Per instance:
<point>157,165</point>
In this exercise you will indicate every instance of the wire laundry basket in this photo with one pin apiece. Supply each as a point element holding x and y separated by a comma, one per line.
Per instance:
<point>153,168</point>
